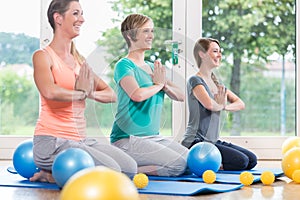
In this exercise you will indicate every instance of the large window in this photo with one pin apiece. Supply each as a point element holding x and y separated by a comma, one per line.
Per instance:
<point>258,40</point>
<point>103,45</point>
<point>19,38</point>
<point>100,35</point>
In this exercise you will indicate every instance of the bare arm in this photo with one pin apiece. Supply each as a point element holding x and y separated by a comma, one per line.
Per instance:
<point>102,92</point>
<point>173,91</point>
<point>45,82</point>
<point>132,89</point>
<point>203,97</point>
<point>234,102</point>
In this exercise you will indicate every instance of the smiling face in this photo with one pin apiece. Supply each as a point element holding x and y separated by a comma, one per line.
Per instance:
<point>211,57</point>
<point>144,37</point>
<point>70,22</point>
<point>137,30</point>
<point>214,54</point>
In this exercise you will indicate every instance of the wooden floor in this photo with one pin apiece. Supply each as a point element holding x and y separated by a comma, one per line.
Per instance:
<point>283,188</point>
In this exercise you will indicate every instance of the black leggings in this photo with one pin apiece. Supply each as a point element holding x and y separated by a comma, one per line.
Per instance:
<point>234,157</point>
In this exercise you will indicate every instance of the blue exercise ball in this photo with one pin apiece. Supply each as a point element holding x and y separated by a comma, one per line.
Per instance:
<point>23,159</point>
<point>68,162</point>
<point>204,156</point>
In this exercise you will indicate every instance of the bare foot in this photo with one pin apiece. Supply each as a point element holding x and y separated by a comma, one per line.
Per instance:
<point>42,176</point>
<point>221,167</point>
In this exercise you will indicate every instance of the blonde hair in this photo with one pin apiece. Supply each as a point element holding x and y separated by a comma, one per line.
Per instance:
<point>203,45</point>
<point>80,59</point>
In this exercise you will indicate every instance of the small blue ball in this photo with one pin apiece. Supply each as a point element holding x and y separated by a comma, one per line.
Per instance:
<point>68,162</point>
<point>204,156</point>
<point>23,159</point>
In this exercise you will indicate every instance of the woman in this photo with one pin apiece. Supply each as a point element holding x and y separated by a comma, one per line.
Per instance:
<point>65,81</point>
<point>141,88</point>
<point>206,99</point>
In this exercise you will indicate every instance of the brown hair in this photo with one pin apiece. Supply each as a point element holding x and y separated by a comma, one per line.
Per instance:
<point>61,6</point>
<point>57,6</point>
<point>203,44</point>
<point>130,26</point>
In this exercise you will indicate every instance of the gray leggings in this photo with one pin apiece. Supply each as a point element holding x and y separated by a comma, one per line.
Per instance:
<point>168,155</point>
<point>47,147</point>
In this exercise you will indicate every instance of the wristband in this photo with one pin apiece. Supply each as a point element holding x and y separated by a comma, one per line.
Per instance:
<point>85,94</point>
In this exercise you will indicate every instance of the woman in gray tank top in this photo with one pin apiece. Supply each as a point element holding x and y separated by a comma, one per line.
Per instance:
<point>206,99</point>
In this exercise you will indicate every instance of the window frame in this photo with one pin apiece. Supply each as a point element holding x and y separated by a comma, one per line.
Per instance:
<point>186,25</point>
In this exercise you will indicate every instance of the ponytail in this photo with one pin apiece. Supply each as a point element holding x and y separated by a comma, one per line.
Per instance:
<point>78,57</point>
<point>215,80</point>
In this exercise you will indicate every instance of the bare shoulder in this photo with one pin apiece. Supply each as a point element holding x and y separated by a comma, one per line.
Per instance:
<point>41,58</point>
<point>39,53</point>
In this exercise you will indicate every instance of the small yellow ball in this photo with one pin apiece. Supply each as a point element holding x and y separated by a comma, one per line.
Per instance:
<point>246,178</point>
<point>267,177</point>
<point>140,180</point>
<point>209,176</point>
<point>296,176</point>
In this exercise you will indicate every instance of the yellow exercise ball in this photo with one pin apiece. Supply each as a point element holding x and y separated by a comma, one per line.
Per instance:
<point>99,183</point>
<point>291,161</point>
<point>289,143</point>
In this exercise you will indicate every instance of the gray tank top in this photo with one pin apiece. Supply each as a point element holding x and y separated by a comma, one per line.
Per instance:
<point>203,124</point>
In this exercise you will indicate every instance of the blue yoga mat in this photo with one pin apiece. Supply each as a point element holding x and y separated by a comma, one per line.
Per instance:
<point>232,177</point>
<point>221,178</point>
<point>8,179</point>
<point>186,188</point>
<point>15,180</point>
<point>256,171</point>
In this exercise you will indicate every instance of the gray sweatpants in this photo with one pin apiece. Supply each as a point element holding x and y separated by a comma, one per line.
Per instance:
<point>169,156</point>
<point>47,147</point>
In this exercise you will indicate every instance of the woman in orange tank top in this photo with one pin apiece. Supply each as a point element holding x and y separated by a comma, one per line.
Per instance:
<point>64,81</point>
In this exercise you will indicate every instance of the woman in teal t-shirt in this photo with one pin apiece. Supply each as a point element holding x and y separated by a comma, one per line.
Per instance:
<point>141,88</point>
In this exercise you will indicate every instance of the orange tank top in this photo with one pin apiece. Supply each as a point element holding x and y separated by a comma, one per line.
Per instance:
<point>57,118</point>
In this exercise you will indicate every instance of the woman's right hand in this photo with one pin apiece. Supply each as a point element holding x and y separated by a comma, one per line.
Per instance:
<point>221,96</point>
<point>84,81</point>
<point>159,74</point>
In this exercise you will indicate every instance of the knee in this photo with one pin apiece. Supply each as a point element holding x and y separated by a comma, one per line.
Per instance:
<point>240,162</point>
<point>131,169</point>
<point>179,167</point>
<point>252,162</point>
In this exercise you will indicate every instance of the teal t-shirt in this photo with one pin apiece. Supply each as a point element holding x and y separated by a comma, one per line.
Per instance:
<point>135,118</point>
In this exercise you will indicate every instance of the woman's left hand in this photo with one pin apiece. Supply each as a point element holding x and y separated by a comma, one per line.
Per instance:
<point>85,80</point>
<point>221,96</point>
